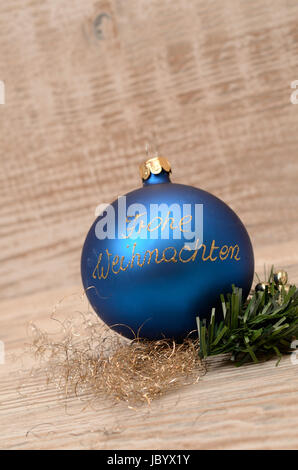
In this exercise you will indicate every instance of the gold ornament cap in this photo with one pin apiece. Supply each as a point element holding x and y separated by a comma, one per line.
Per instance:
<point>154,166</point>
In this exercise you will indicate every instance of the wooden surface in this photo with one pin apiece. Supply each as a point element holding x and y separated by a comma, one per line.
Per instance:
<point>252,407</point>
<point>87,83</point>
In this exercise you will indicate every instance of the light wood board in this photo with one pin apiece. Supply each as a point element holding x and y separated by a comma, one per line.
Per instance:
<point>252,407</point>
<point>87,83</point>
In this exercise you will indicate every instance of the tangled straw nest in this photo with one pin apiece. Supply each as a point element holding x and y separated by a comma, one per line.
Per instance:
<point>87,360</point>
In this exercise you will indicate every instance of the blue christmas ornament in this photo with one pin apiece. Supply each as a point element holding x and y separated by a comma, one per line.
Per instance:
<point>162,255</point>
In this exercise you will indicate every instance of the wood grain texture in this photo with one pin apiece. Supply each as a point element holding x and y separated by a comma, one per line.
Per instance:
<point>251,407</point>
<point>87,83</point>
<point>209,79</point>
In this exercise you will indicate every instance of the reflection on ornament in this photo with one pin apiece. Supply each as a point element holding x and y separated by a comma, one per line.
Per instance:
<point>281,277</point>
<point>261,286</point>
<point>279,283</point>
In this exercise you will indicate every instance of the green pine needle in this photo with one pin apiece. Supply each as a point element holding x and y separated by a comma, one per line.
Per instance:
<point>262,326</point>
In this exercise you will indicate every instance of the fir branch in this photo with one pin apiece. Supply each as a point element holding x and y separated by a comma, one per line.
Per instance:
<point>262,326</point>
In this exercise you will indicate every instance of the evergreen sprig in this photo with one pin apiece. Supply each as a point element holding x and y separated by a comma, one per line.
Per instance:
<point>263,325</point>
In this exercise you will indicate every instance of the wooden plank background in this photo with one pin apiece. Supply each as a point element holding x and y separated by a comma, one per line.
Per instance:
<point>87,84</point>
